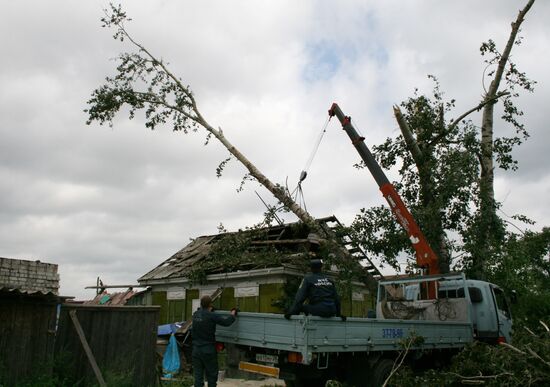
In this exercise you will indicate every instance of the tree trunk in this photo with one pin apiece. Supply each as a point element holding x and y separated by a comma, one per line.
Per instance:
<point>487,207</point>
<point>276,190</point>
<point>432,222</point>
<point>344,260</point>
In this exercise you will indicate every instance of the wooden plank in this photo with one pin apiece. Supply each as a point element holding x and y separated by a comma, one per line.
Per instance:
<point>87,349</point>
<point>122,339</point>
<point>159,298</point>
<point>280,242</point>
<point>131,309</point>
<point>227,300</point>
<point>268,294</point>
<point>25,341</point>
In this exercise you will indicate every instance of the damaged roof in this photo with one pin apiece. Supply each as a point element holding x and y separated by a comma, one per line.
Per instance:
<point>117,298</point>
<point>289,240</point>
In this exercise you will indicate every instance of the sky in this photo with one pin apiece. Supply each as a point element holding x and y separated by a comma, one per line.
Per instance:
<point>116,202</point>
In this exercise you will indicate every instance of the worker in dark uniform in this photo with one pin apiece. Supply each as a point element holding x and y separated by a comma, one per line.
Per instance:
<point>205,358</point>
<point>319,290</point>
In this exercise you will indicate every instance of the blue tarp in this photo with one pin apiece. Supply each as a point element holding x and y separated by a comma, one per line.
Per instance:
<point>168,329</point>
<point>171,360</point>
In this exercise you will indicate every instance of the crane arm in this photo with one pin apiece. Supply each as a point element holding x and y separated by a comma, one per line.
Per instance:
<point>425,256</point>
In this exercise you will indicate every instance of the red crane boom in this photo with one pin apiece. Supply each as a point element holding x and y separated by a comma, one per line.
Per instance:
<point>425,256</point>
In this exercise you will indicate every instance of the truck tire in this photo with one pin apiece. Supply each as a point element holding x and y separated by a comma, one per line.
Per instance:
<point>305,383</point>
<point>380,371</point>
<point>295,383</point>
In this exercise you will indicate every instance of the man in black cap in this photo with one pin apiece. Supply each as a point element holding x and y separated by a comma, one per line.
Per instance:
<point>205,358</point>
<point>319,290</point>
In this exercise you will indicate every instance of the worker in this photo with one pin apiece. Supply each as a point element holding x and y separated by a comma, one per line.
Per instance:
<point>205,357</point>
<point>319,290</point>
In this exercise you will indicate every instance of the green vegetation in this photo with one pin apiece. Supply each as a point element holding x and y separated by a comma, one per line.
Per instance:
<point>525,363</point>
<point>447,168</point>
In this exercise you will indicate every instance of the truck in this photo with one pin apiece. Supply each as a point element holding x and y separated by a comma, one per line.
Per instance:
<point>428,318</point>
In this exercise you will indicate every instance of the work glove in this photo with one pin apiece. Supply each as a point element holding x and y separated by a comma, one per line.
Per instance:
<point>287,316</point>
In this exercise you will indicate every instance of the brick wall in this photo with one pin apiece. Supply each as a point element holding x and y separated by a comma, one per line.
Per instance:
<point>29,275</point>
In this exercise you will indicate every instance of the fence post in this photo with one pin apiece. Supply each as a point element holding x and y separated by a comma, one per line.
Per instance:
<point>87,349</point>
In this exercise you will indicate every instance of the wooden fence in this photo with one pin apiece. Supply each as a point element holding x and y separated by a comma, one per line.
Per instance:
<point>27,335</point>
<point>122,340</point>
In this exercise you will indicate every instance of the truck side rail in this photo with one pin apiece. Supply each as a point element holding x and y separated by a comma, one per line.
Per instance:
<point>308,334</point>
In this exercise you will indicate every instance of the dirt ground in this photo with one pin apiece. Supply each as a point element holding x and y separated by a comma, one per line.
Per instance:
<point>250,383</point>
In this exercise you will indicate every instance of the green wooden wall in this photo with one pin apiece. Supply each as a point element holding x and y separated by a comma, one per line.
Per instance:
<point>159,298</point>
<point>181,310</point>
<point>176,310</point>
<point>268,294</point>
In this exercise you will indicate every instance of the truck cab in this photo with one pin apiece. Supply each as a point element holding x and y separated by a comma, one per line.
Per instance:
<point>491,314</point>
<point>448,297</point>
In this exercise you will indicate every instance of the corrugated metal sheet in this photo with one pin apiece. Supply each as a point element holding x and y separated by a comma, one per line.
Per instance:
<point>31,293</point>
<point>118,298</point>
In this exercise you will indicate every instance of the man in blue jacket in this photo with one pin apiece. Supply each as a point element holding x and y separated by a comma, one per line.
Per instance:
<point>319,290</point>
<point>205,358</point>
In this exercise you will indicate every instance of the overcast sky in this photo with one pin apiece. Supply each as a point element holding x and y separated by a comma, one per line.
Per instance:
<point>115,202</point>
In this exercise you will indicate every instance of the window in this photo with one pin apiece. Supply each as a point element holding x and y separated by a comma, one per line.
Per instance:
<point>502,305</point>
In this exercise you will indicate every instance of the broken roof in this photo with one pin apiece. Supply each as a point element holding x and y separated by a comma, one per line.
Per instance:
<point>290,241</point>
<point>117,298</point>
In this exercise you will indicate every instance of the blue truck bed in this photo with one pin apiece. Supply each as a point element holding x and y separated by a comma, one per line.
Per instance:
<point>308,334</point>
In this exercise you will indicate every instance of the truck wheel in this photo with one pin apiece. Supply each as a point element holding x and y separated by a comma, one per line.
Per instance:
<point>295,383</point>
<point>299,382</point>
<point>380,371</point>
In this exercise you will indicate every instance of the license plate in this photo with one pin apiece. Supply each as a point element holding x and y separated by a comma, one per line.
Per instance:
<point>264,358</point>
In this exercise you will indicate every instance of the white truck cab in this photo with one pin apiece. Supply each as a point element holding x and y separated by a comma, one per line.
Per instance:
<point>444,298</point>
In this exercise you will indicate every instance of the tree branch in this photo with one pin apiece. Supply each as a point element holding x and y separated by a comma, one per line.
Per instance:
<point>493,87</point>
<point>153,99</point>
<point>477,108</point>
<point>411,142</point>
<point>513,348</point>
<point>403,354</point>
<point>536,355</point>
<point>455,122</point>
<point>161,64</point>
<point>480,378</point>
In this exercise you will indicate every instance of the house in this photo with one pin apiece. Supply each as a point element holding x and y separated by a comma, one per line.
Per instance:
<point>256,270</point>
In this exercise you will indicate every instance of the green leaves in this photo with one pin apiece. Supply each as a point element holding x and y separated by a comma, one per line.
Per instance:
<point>437,179</point>
<point>115,18</point>
<point>142,82</point>
<point>221,166</point>
<point>523,266</point>
<point>377,232</point>
<point>524,363</point>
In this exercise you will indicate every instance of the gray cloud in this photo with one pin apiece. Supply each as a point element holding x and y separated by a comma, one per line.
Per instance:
<point>116,202</point>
